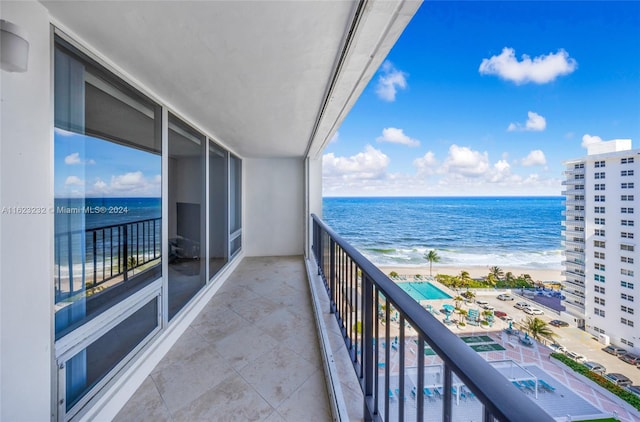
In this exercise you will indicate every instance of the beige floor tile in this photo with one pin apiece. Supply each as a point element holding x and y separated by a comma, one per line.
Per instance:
<point>185,380</point>
<point>231,400</point>
<point>145,405</point>
<point>244,346</point>
<point>309,402</point>
<point>278,374</point>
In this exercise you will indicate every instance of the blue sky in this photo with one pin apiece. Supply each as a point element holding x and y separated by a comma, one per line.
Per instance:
<point>488,98</point>
<point>90,167</point>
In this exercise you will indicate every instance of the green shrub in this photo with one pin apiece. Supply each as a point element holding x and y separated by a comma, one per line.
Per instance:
<point>625,395</point>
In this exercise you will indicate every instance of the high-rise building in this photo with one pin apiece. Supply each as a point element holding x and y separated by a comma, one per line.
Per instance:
<point>600,233</point>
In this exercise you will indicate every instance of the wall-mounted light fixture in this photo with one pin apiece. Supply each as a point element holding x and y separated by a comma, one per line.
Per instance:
<point>14,47</point>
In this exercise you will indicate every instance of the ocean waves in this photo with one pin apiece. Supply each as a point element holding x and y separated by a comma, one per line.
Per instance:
<point>508,232</point>
<point>415,257</point>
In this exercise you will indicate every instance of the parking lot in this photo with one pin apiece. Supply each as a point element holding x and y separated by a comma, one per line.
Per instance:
<point>572,338</point>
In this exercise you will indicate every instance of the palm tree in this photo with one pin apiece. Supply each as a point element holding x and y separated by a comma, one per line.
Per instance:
<point>465,279</point>
<point>457,301</point>
<point>455,282</point>
<point>463,314</point>
<point>490,279</point>
<point>509,278</point>
<point>431,256</point>
<point>538,328</point>
<point>497,272</point>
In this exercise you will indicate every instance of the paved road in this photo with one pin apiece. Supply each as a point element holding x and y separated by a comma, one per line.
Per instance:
<point>572,338</point>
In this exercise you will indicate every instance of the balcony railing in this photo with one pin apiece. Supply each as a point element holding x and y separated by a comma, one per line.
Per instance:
<point>106,253</point>
<point>365,302</point>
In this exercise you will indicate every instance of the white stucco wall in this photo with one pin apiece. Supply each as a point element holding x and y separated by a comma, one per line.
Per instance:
<point>273,207</point>
<point>26,241</point>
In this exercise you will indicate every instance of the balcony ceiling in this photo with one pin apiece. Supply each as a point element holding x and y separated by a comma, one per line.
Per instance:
<point>255,75</point>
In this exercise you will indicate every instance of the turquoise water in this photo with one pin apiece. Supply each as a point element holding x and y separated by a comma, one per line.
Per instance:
<point>423,291</point>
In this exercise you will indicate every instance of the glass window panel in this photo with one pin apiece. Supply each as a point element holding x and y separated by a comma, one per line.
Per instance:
<point>218,255</point>
<point>186,214</point>
<point>84,370</point>
<point>235,204</point>
<point>235,186</point>
<point>107,183</point>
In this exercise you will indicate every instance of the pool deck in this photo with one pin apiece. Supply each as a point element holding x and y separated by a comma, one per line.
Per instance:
<point>568,384</point>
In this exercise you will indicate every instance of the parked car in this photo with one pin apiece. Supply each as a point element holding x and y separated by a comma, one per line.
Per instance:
<point>615,351</point>
<point>635,389</point>
<point>533,311</point>
<point>488,307</point>
<point>505,296</point>
<point>558,323</point>
<point>576,356</point>
<point>558,348</point>
<point>630,358</point>
<point>482,303</point>
<point>618,379</point>
<point>500,314</point>
<point>521,305</point>
<point>595,367</point>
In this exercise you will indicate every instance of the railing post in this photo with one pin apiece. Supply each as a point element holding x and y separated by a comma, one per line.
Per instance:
<point>446,403</point>
<point>420,397</point>
<point>125,252</point>
<point>368,319</point>
<point>332,275</point>
<point>95,259</point>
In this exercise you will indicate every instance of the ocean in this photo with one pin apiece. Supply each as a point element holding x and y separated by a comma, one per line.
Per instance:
<point>521,232</point>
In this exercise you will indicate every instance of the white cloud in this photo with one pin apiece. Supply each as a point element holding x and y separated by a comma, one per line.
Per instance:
<point>540,70</point>
<point>426,165</point>
<point>74,181</point>
<point>100,186</point>
<point>128,184</point>
<point>369,164</point>
<point>390,80</point>
<point>590,140</point>
<point>465,162</point>
<point>535,158</point>
<point>72,158</point>
<point>396,136</point>
<point>535,122</point>
<point>501,171</point>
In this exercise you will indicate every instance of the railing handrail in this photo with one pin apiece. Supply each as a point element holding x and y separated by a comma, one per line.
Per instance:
<point>110,226</point>
<point>503,400</point>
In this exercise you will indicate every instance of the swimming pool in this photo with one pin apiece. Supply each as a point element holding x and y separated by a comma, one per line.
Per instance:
<point>423,291</point>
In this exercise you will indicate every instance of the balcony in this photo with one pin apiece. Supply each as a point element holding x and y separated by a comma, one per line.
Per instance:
<point>574,171</point>
<point>573,213</point>
<point>254,351</point>
<point>577,275</point>
<point>574,202</point>
<point>574,255</point>
<point>572,191</point>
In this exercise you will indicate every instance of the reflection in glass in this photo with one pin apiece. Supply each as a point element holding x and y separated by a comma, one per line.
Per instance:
<point>107,162</point>
<point>186,214</point>
<point>217,209</point>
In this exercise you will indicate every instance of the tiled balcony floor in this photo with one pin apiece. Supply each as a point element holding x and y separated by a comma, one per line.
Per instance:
<point>251,355</point>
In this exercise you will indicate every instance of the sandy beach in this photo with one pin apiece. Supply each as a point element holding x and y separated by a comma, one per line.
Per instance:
<point>474,271</point>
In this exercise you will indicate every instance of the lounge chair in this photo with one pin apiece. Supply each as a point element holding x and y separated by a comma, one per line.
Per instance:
<point>546,386</point>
